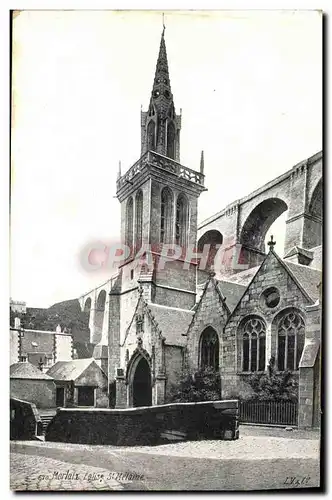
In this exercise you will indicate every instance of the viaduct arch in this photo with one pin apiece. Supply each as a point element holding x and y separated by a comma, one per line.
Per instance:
<point>243,225</point>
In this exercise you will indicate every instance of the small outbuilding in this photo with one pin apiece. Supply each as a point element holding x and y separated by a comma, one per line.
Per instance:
<point>80,382</point>
<point>30,384</point>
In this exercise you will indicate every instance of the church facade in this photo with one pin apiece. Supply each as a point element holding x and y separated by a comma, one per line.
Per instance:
<point>159,316</point>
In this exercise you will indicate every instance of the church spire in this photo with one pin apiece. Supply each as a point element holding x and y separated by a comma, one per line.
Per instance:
<point>160,124</point>
<point>161,96</point>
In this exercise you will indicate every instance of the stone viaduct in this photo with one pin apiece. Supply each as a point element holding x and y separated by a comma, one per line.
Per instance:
<point>243,225</point>
<point>96,303</point>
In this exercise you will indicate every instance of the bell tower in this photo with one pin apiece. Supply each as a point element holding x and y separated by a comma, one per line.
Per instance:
<point>160,125</point>
<point>159,197</point>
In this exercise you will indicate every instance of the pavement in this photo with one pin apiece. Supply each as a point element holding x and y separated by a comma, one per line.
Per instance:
<point>262,458</point>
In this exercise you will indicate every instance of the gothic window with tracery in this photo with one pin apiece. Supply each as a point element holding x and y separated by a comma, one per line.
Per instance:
<point>253,345</point>
<point>166,215</point>
<point>291,335</point>
<point>181,220</point>
<point>139,219</point>
<point>209,349</point>
<point>129,223</point>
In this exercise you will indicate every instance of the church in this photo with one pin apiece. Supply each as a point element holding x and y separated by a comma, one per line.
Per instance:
<point>151,322</point>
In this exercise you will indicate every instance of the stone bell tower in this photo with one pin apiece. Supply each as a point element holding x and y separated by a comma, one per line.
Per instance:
<point>158,199</point>
<point>159,196</point>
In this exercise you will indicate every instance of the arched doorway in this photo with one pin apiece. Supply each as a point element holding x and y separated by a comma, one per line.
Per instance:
<point>142,394</point>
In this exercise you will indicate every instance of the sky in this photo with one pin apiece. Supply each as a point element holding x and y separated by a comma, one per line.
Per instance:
<point>249,84</point>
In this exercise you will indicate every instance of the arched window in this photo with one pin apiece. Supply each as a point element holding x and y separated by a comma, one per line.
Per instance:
<point>253,344</point>
<point>151,136</point>
<point>209,349</point>
<point>290,341</point>
<point>129,223</point>
<point>171,140</point>
<point>181,221</point>
<point>166,215</point>
<point>139,219</point>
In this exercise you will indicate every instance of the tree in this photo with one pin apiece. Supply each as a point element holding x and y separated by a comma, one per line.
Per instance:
<point>203,385</point>
<point>273,385</point>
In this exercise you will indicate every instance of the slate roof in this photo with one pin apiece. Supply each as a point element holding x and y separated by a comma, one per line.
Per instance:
<point>24,370</point>
<point>69,370</point>
<point>173,322</point>
<point>307,277</point>
<point>232,291</point>
<point>243,277</point>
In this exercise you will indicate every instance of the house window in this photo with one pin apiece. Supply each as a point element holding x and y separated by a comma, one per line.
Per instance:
<point>209,349</point>
<point>129,224</point>
<point>290,341</point>
<point>253,345</point>
<point>166,216</point>
<point>139,219</point>
<point>23,359</point>
<point>181,220</point>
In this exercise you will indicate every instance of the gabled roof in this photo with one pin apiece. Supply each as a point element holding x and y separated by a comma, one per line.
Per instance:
<point>69,370</point>
<point>308,277</point>
<point>27,371</point>
<point>221,297</point>
<point>173,322</point>
<point>232,292</point>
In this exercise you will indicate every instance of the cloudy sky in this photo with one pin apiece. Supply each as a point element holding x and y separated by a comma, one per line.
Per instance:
<point>249,85</point>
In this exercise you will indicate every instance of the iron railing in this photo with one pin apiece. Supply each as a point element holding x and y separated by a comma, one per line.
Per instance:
<point>269,412</point>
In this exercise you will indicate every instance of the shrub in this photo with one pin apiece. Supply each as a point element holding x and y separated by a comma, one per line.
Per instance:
<point>271,386</point>
<point>203,385</point>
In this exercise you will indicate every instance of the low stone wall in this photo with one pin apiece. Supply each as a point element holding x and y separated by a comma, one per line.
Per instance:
<point>25,422</point>
<point>148,425</point>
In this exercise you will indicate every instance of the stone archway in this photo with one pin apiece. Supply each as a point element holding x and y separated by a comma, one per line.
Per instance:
<point>141,383</point>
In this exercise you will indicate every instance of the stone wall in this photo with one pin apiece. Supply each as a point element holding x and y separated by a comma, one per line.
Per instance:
<point>14,346</point>
<point>39,392</point>
<point>310,371</point>
<point>174,367</point>
<point>210,312</point>
<point>146,426</point>
<point>25,422</point>
<point>63,347</point>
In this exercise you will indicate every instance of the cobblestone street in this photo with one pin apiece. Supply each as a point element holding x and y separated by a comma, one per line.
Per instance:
<point>261,461</point>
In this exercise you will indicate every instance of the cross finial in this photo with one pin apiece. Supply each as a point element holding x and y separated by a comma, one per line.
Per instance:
<point>271,243</point>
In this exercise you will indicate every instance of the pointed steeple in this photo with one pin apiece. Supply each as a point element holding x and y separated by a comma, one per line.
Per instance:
<point>161,95</point>
<point>160,124</point>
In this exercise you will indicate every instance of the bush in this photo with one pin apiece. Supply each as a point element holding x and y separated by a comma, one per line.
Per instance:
<point>272,386</point>
<point>203,385</point>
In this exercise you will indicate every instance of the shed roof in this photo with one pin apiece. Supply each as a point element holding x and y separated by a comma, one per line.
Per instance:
<point>25,370</point>
<point>69,370</point>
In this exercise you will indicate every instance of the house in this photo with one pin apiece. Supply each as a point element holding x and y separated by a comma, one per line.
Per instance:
<point>80,382</point>
<point>30,384</point>
<point>39,347</point>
